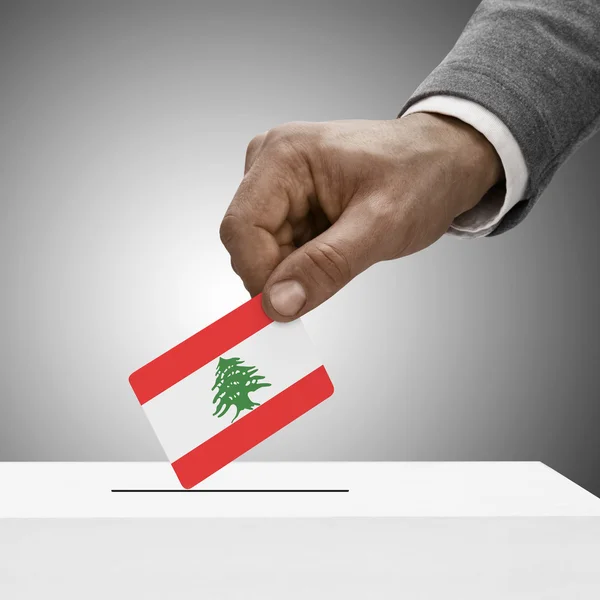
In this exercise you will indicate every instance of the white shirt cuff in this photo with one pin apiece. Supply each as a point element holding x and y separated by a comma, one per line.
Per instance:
<point>483,218</point>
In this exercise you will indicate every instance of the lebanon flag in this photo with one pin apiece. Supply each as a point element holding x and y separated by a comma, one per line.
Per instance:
<point>227,388</point>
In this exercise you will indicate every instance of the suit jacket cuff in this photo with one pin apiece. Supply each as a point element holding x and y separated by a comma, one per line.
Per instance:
<point>485,217</point>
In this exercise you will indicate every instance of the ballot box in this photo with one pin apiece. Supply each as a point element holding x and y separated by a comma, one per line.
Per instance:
<point>297,530</point>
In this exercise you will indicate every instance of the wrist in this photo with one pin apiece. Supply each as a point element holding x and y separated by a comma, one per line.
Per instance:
<point>466,154</point>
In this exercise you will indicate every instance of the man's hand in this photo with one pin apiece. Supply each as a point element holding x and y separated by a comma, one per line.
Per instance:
<point>322,202</point>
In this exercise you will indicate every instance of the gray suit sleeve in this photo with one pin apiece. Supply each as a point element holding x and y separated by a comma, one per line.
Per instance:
<point>536,65</point>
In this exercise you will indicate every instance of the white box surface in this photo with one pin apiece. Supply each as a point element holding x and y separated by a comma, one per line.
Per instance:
<point>403,530</point>
<point>383,489</point>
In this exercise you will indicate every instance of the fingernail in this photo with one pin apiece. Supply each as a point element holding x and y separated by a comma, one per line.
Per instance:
<point>287,297</point>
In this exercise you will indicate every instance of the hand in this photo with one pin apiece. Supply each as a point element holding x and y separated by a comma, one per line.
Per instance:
<point>322,202</point>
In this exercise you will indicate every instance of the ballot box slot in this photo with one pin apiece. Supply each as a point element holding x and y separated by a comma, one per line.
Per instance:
<point>229,491</point>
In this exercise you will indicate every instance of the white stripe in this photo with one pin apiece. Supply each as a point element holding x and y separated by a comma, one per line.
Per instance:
<point>182,416</point>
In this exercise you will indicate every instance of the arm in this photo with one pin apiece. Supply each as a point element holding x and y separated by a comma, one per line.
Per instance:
<point>322,202</point>
<point>535,65</point>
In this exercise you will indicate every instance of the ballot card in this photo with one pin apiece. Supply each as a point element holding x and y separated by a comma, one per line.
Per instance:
<point>225,389</point>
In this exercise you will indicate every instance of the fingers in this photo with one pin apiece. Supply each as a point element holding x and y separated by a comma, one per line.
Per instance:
<point>254,230</point>
<point>254,251</point>
<point>258,229</point>
<point>317,270</point>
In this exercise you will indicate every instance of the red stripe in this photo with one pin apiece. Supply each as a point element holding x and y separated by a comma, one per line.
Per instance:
<point>198,350</point>
<point>253,428</point>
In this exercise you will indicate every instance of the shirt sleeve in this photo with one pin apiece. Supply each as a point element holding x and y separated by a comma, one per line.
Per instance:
<point>487,214</point>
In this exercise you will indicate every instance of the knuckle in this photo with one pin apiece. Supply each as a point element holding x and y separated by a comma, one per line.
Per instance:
<point>283,131</point>
<point>287,145</point>
<point>253,147</point>
<point>275,135</point>
<point>329,262</point>
<point>228,229</point>
<point>287,134</point>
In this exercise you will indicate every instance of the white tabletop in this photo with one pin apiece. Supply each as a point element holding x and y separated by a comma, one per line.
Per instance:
<point>335,489</point>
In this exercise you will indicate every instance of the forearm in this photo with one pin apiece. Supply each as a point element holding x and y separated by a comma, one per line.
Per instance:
<point>535,64</point>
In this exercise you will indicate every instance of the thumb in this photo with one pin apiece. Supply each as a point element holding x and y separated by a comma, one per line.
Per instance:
<point>321,267</point>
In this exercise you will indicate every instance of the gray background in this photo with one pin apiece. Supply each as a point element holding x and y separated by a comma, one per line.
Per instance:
<point>123,129</point>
